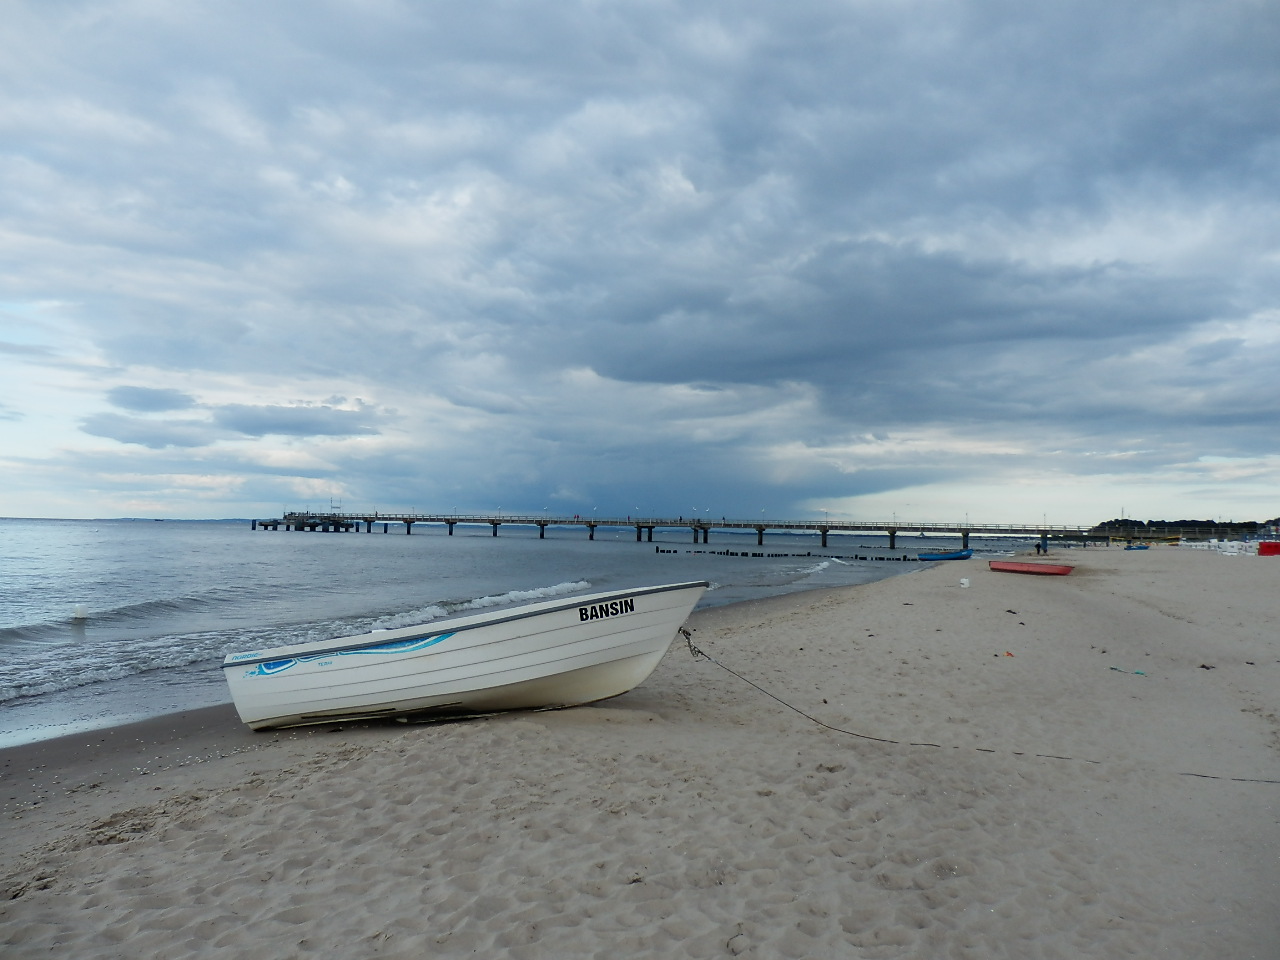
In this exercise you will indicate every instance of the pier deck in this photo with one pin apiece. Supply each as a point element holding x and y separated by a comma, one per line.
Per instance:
<point>644,526</point>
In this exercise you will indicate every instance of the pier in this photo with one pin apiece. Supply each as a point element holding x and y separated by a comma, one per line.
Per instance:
<point>700,527</point>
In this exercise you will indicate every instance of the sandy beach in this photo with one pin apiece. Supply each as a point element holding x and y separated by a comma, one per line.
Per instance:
<point>1026,767</point>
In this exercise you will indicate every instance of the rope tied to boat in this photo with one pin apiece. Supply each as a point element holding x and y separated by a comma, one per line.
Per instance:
<point>699,654</point>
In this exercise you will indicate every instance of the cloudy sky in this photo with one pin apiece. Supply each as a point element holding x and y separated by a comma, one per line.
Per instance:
<point>995,260</point>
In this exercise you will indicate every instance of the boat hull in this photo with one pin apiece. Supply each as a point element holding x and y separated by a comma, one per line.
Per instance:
<point>953,555</point>
<point>554,653</point>
<point>1041,569</point>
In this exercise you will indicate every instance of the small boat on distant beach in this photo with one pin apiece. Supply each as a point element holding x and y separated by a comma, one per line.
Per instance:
<point>953,555</point>
<point>1138,546</point>
<point>552,653</point>
<point>1022,566</point>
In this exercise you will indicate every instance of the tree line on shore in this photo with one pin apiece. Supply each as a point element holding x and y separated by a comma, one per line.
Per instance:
<point>1127,527</point>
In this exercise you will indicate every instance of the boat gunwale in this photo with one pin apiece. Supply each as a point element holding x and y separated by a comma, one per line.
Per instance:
<point>449,626</point>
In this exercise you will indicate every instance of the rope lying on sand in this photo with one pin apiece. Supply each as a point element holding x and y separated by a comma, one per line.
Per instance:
<point>699,654</point>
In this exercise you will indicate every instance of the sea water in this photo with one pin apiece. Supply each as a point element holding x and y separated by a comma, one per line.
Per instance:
<point>110,621</point>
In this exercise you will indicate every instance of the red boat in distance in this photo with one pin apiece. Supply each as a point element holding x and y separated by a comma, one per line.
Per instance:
<point>1020,566</point>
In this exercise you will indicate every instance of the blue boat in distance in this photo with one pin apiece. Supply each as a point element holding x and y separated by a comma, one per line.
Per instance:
<point>953,555</point>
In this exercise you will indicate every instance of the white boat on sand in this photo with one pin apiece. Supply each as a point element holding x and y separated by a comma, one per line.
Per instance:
<point>553,653</point>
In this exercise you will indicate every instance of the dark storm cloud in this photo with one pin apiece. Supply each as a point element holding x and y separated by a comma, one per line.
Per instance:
<point>876,305</point>
<point>150,399</point>
<point>156,434</point>
<point>227,421</point>
<point>294,421</point>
